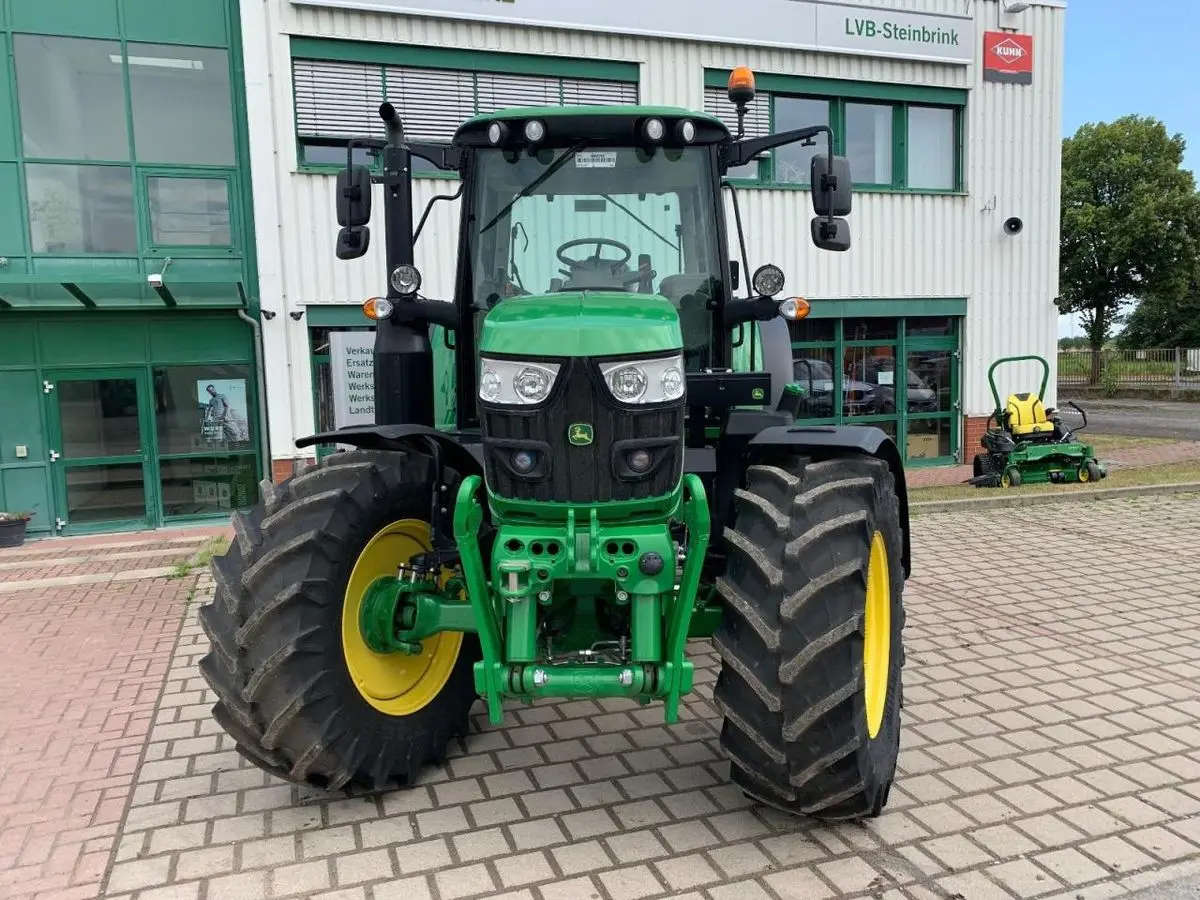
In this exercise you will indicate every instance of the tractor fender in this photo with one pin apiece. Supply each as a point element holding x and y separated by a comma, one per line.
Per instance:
<point>776,342</point>
<point>825,441</point>
<point>403,437</point>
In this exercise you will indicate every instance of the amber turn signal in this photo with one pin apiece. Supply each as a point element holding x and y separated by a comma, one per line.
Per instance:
<point>377,308</point>
<point>794,308</point>
<point>741,85</point>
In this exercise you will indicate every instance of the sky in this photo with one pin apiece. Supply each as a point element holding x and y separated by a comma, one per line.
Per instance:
<point>1133,56</point>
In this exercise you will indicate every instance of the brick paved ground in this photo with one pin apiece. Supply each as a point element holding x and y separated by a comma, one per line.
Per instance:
<point>86,632</point>
<point>1051,749</point>
<point>1131,457</point>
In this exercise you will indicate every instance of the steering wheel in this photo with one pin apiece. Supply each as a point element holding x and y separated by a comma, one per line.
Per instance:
<point>600,242</point>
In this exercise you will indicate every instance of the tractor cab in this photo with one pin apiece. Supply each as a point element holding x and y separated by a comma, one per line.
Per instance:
<point>590,222</point>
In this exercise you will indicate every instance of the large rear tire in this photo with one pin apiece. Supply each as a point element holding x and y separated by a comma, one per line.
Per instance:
<point>297,688</point>
<point>810,639</point>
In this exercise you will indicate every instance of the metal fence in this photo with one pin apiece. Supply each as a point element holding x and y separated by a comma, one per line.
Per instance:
<point>1175,369</point>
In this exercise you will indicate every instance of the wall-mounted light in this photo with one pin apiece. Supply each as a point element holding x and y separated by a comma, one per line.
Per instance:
<point>1015,6</point>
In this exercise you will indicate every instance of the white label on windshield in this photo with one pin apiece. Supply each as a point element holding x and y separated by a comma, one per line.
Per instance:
<point>596,159</point>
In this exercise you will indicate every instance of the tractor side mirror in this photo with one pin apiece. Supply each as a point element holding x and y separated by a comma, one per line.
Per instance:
<point>353,197</point>
<point>831,234</point>
<point>353,241</point>
<point>831,191</point>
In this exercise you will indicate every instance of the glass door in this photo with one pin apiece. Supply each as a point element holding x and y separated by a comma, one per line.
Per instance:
<point>931,391</point>
<point>101,449</point>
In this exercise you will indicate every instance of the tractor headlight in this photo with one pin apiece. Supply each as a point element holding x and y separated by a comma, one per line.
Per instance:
<point>645,380</point>
<point>406,279</point>
<point>534,131</point>
<point>516,382</point>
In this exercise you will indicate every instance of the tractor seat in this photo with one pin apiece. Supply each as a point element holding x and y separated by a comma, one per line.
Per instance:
<point>1027,416</point>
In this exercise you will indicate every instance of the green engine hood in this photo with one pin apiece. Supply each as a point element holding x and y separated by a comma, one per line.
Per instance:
<point>590,323</point>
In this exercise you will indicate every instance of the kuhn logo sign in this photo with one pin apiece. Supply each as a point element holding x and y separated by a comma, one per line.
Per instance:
<point>1009,51</point>
<point>1008,58</point>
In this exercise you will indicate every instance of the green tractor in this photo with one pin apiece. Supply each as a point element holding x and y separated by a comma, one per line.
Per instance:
<point>1030,444</point>
<point>624,473</point>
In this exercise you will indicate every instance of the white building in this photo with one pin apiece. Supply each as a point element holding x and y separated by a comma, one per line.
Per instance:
<point>949,111</point>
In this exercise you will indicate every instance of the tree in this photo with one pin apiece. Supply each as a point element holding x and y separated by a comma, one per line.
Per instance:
<point>1165,322</point>
<point>1130,222</point>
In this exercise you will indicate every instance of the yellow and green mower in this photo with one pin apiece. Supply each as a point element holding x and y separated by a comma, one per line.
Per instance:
<point>1026,443</point>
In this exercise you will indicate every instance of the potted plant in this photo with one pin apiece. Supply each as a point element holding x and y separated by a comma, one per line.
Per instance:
<point>12,528</point>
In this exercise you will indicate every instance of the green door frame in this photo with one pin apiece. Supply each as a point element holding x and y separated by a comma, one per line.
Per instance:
<point>147,455</point>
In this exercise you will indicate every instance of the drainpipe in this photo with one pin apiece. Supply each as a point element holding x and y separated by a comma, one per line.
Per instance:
<point>260,374</point>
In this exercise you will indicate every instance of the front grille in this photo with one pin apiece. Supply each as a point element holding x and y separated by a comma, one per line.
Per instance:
<point>588,474</point>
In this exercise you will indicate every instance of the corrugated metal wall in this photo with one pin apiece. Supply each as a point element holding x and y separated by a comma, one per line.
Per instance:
<point>905,246</point>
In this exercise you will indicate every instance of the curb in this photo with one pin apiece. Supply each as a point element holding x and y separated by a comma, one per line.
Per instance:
<point>1017,499</point>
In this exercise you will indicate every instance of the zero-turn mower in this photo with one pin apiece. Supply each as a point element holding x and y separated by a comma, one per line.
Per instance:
<point>1030,444</point>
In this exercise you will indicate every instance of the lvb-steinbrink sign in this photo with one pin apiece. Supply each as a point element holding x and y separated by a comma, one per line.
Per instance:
<point>790,24</point>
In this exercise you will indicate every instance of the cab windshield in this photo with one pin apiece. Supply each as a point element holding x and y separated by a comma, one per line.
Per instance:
<point>598,219</point>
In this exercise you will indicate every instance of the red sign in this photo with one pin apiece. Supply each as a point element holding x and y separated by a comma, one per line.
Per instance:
<point>1007,57</point>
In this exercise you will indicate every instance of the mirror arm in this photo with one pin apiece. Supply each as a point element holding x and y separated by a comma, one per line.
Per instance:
<point>412,310</point>
<point>752,309</point>
<point>443,156</point>
<point>739,153</point>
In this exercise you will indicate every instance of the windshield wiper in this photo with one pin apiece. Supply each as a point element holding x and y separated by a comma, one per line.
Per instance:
<point>640,221</point>
<point>535,184</point>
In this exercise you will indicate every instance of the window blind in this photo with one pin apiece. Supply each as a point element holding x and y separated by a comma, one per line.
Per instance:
<point>758,114</point>
<point>341,99</point>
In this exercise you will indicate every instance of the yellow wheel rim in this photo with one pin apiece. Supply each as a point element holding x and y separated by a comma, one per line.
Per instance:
<point>877,634</point>
<point>1005,481</point>
<point>396,684</point>
<point>1084,474</point>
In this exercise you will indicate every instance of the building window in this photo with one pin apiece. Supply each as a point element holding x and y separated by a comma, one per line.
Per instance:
<point>80,209</point>
<point>72,98</point>
<point>188,212</point>
<point>180,98</point>
<point>907,144</point>
<point>337,101</point>
<point>84,180</point>
<point>898,374</point>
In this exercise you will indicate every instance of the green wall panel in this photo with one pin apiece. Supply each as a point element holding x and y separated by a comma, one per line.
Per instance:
<point>28,489</point>
<point>83,267</point>
<point>180,339</point>
<point>92,341</point>
<point>198,22</point>
<point>81,18</point>
<point>8,124</point>
<point>16,344</point>
<point>21,417</point>
<point>12,233</point>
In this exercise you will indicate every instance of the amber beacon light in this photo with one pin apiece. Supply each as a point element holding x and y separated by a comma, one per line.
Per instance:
<point>741,85</point>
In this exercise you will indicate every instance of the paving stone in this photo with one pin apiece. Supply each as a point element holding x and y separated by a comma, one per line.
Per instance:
<point>464,881</point>
<point>525,868</point>
<point>631,883</point>
<point>588,856</point>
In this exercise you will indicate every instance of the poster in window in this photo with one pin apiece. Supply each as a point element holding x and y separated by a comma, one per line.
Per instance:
<point>224,413</point>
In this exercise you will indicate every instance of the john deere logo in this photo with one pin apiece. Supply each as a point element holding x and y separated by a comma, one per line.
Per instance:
<point>758,394</point>
<point>579,434</point>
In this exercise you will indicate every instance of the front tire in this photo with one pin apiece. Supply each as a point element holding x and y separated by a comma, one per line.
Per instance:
<point>296,686</point>
<point>810,639</point>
